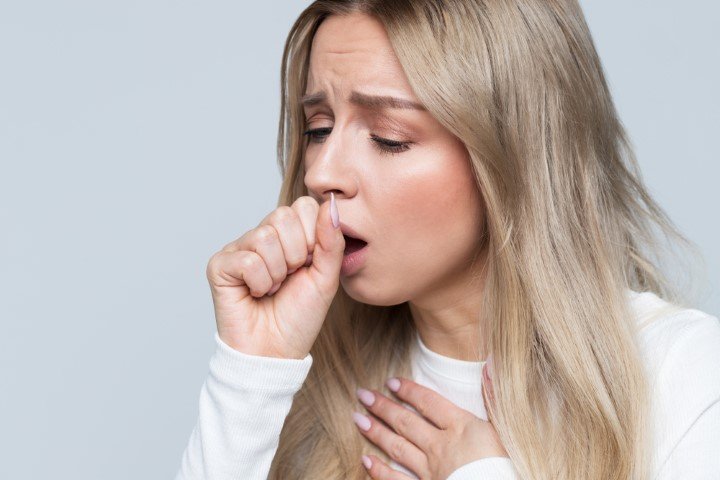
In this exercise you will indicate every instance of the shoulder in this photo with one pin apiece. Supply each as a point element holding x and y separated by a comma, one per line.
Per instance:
<point>681,350</point>
<point>672,337</point>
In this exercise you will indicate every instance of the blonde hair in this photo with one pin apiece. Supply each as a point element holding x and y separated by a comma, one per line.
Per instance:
<point>570,227</point>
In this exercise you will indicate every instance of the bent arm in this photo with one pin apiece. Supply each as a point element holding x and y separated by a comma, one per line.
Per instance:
<point>243,405</point>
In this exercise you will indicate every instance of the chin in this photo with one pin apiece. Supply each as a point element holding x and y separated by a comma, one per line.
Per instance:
<point>370,293</point>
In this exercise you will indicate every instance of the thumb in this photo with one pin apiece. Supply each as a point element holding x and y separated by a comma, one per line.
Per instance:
<point>329,246</point>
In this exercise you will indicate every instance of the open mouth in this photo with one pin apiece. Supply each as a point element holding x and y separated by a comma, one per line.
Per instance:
<point>353,244</point>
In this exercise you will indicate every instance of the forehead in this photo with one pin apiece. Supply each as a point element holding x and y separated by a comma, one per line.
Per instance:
<point>353,52</point>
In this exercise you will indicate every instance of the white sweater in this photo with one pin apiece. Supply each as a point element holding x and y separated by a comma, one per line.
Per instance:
<point>246,398</point>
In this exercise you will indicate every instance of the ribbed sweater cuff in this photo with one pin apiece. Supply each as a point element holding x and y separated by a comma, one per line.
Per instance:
<point>242,370</point>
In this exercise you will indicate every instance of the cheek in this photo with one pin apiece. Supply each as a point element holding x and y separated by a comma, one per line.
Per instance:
<point>437,217</point>
<point>428,220</point>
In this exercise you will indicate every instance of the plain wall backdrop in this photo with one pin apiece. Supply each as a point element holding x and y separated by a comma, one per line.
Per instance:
<point>138,137</point>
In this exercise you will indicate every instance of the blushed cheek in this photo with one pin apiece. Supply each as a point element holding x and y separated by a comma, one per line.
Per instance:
<point>438,219</point>
<point>422,216</point>
<point>441,203</point>
<point>426,229</point>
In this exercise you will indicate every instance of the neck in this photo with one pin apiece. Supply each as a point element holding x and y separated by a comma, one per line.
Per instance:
<point>448,320</point>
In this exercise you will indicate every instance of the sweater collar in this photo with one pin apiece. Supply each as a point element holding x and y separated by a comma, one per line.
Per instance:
<point>471,372</point>
<point>452,368</point>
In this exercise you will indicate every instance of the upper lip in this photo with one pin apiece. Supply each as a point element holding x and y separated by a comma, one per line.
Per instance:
<point>347,230</point>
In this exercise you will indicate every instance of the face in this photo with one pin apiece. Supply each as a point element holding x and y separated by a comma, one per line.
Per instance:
<point>401,180</point>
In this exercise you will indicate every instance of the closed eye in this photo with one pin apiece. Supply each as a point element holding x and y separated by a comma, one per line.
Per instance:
<point>385,145</point>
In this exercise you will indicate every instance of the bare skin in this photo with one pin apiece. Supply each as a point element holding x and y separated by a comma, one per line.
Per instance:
<point>418,208</point>
<point>416,205</point>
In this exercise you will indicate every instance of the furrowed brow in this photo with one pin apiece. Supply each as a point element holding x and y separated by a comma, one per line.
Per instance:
<point>374,102</point>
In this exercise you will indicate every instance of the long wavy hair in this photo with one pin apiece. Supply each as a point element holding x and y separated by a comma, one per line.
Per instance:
<point>570,227</point>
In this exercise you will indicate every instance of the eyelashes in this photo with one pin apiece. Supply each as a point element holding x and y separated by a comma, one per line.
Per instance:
<point>384,145</point>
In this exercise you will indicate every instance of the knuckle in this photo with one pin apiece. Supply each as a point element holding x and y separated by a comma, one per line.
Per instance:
<point>266,234</point>
<point>397,450</point>
<point>212,264</point>
<point>435,450</point>
<point>228,246</point>
<point>250,261</point>
<point>404,420</point>
<point>426,403</point>
<point>284,214</point>
<point>306,210</point>
<point>297,261</point>
<point>305,201</point>
<point>461,417</point>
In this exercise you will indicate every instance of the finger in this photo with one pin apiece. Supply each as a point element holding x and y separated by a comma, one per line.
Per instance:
<point>290,231</point>
<point>292,236</point>
<point>233,269</point>
<point>428,403</point>
<point>328,252</point>
<point>404,421</point>
<point>265,241</point>
<point>382,471</point>
<point>398,448</point>
<point>307,209</point>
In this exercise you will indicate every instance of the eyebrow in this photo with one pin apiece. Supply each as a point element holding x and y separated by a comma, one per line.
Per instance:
<point>377,102</point>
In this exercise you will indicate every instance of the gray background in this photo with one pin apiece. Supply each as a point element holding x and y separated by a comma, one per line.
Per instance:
<point>138,137</point>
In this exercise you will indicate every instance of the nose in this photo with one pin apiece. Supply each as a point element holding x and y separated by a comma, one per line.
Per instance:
<point>328,168</point>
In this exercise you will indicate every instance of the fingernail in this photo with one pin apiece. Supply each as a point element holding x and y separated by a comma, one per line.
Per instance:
<point>274,289</point>
<point>334,211</point>
<point>366,461</point>
<point>365,396</point>
<point>292,271</point>
<point>393,384</point>
<point>361,421</point>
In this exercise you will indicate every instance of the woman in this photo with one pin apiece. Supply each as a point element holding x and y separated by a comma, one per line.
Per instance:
<point>471,151</point>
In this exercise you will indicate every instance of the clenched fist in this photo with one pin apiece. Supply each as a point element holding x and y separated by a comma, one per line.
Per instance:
<point>273,286</point>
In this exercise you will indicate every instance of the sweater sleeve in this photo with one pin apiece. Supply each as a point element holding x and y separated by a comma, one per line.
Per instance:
<point>490,468</point>
<point>686,391</point>
<point>243,405</point>
<point>690,391</point>
<point>696,456</point>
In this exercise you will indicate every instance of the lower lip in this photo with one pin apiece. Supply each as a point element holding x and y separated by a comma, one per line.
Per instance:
<point>352,262</point>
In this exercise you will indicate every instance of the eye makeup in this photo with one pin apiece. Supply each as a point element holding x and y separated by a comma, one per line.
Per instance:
<point>384,145</point>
